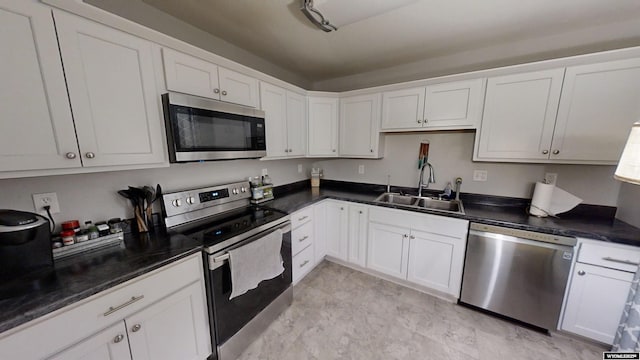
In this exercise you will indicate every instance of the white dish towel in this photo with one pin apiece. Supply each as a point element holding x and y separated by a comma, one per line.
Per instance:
<point>257,261</point>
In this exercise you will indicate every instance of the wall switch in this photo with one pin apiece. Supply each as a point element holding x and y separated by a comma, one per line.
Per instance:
<point>299,168</point>
<point>479,175</point>
<point>265,172</point>
<point>550,178</point>
<point>41,200</point>
<point>361,169</point>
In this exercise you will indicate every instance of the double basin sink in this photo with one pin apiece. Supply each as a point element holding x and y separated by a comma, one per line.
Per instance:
<point>450,206</point>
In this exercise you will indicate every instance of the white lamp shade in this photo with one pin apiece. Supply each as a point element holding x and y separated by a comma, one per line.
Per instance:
<point>629,166</point>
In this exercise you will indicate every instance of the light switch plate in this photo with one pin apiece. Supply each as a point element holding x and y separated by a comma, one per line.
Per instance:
<point>299,168</point>
<point>479,175</point>
<point>550,178</point>
<point>360,169</point>
<point>264,172</point>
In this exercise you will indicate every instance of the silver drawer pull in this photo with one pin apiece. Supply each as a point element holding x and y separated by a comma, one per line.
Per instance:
<point>627,262</point>
<point>581,272</point>
<point>304,238</point>
<point>302,218</point>
<point>118,338</point>
<point>136,327</point>
<point>114,309</point>
<point>304,263</point>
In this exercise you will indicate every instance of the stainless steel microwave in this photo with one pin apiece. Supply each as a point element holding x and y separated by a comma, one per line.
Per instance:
<point>200,129</point>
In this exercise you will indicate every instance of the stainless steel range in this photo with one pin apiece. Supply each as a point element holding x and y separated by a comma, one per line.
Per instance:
<point>223,219</point>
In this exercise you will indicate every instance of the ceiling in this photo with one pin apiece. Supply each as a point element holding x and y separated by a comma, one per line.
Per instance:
<point>277,31</point>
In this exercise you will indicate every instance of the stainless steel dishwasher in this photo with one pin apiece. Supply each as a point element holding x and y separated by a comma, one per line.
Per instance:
<point>516,273</point>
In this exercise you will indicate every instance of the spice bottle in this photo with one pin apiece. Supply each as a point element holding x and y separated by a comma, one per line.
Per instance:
<point>68,237</point>
<point>92,230</point>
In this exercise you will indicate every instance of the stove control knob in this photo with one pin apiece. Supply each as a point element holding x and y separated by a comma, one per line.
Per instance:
<point>177,202</point>
<point>191,200</point>
<point>243,189</point>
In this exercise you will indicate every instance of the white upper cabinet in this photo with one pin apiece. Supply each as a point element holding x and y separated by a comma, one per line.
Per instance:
<point>113,92</point>
<point>285,121</point>
<point>360,126</point>
<point>323,126</point>
<point>519,116</point>
<point>190,75</point>
<point>599,103</point>
<point>37,127</point>
<point>453,105</point>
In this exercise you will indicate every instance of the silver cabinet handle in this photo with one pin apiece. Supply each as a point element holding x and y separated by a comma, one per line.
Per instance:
<point>371,150</point>
<point>341,208</point>
<point>302,218</point>
<point>556,152</point>
<point>224,92</point>
<point>626,262</point>
<point>360,212</point>
<point>412,237</point>
<point>215,91</point>
<point>290,150</point>
<point>303,238</point>
<point>304,263</point>
<point>405,236</point>
<point>545,152</point>
<point>136,327</point>
<point>334,150</point>
<point>425,120</point>
<point>90,155</point>
<point>118,338</point>
<point>113,309</point>
<point>70,155</point>
<point>581,272</point>
<point>419,121</point>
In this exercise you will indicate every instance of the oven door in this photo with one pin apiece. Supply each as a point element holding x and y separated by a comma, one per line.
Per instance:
<point>201,129</point>
<point>229,316</point>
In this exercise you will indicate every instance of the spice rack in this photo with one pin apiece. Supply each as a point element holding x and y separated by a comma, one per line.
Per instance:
<point>100,242</point>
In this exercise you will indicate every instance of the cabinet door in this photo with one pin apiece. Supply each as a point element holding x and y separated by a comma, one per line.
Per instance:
<point>190,75</point>
<point>320,231</point>
<point>37,128</point>
<point>274,104</point>
<point>115,101</point>
<point>175,327</point>
<point>337,231</point>
<point>296,124</point>
<point>358,220</point>
<point>238,88</point>
<point>403,109</point>
<point>109,344</point>
<point>436,261</point>
<point>454,105</point>
<point>599,104</point>
<point>596,301</point>
<point>323,126</point>
<point>519,116</point>
<point>388,249</point>
<point>359,125</point>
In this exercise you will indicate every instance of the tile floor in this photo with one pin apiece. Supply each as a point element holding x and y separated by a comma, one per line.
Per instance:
<point>339,313</point>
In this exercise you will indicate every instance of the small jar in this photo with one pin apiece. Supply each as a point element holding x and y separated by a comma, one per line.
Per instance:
<point>115,225</point>
<point>82,236</point>
<point>68,237</point>
<point>71,225</point>
<point>103,229</point>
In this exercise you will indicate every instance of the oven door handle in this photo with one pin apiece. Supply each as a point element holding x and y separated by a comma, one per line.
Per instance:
<point>217,260</point>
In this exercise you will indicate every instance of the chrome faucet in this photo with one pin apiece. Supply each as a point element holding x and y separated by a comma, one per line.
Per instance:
<point>458,184</point>
<point>430,180</point>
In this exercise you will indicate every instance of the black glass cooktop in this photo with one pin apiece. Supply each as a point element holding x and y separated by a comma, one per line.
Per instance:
<point>230,224</point>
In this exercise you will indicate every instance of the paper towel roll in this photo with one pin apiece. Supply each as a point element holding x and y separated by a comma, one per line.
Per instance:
<point>551,200</point>
<point>541,201</point>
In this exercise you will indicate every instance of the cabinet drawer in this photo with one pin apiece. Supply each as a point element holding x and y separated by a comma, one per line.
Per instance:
<point>612,256</point>
<point>301,237</point>
<point>75,322</point>
<point>301,216</point>
<point>302,263</point>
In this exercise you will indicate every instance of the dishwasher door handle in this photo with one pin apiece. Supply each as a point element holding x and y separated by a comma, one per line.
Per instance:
<point>626,262</point>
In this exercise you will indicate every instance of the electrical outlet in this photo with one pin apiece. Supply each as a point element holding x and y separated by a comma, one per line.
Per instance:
<point>360,169</point>
<point>550,178</point>
<point>479,175</point>
<point>41,200</point>
<point>265,172</point>
<point>299,168</point>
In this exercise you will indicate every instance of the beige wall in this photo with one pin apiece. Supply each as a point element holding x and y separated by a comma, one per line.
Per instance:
<point>144,14</point>
<point>450,154</point>
<point>629,204</point>
<point>94,197</point>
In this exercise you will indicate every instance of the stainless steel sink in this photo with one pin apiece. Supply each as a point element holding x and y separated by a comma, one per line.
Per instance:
<point>445,205</point>
<point>452,206</point>
<point>391,198</point>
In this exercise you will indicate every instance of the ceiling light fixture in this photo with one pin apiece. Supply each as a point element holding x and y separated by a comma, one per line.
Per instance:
<point>629,166</point>
<point>329,15</point>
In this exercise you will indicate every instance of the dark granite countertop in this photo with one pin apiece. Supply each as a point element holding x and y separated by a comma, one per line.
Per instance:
<point>587,221</point>
<point>80,276</point>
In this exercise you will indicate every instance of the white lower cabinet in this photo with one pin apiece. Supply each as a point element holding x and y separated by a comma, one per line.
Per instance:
<point>423,249</point>
<point>161,315</point>
<point>599,287</point>
<point>357,237</point>
<point>337,230</point>
<point>302,241</point>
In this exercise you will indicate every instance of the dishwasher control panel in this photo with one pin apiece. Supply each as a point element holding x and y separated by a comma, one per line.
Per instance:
<point>525,234</point>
